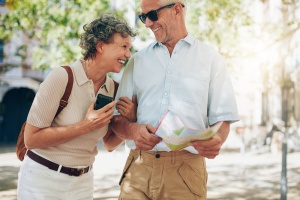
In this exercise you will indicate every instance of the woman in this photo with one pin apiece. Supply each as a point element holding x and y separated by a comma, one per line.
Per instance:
<point>62,150</point>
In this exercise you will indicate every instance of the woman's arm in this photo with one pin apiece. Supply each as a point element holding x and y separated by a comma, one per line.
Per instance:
<point>128,109</point>
<point>35,137</point>
<point>111,141</point>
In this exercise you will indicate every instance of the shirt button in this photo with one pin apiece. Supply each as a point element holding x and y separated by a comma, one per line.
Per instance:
<point>157,155</point>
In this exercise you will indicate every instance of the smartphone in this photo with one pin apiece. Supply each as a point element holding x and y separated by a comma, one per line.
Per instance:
<point>102,101</point>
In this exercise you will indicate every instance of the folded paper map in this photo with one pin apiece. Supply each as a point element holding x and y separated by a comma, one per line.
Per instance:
<point>177,136</point>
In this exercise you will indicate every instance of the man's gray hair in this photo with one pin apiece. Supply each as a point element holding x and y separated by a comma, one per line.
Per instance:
<point>167,2</point>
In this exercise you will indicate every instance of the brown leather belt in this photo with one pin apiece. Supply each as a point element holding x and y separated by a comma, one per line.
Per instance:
<point>54,166</point>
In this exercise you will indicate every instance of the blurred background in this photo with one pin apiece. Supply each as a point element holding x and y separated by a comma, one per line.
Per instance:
<point>260,40</point>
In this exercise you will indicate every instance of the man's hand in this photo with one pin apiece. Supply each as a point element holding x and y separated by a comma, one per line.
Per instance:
<point>144,138</point>
<point>142,134</point>
<point>127,108</point>
<point>211,148</point>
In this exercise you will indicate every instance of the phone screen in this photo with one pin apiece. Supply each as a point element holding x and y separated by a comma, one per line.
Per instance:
<point>102,101</point>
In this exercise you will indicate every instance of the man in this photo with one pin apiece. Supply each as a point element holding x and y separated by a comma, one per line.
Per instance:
<point>181,74</point>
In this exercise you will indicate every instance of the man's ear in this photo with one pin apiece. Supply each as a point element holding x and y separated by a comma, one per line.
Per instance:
<point>178,9</point>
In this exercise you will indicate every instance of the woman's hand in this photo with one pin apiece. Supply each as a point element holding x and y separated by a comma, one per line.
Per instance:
<point>99,118</point>
<point>127,108</point>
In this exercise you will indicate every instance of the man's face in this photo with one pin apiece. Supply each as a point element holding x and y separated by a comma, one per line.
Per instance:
<point>163,26</point>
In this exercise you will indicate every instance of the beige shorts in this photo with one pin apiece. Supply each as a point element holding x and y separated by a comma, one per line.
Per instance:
<point>163,176</point>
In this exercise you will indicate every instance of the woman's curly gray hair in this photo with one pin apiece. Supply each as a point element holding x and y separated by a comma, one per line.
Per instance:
<point>102,30</point>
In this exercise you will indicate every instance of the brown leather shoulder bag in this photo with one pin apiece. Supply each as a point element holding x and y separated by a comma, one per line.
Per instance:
<point>20,147</point>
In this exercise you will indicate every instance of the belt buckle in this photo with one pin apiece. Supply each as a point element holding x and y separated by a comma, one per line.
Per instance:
<point>81,171</point>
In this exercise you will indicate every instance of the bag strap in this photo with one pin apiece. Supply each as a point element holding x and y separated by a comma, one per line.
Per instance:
<point>116,88</point>
<point>64,100</point>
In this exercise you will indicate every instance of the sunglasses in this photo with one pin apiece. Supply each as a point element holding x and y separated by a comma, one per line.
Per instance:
<point>152,15</point>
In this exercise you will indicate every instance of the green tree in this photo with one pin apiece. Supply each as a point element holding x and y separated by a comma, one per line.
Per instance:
<point>53,25</point>
<point>218,23</point>
<point>215,22</point>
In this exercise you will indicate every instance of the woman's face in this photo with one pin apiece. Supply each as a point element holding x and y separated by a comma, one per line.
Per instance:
<point>117,52</point>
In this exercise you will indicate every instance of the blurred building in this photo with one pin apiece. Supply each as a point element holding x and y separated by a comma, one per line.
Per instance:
<point>281,65</point>
<point>18,84</point>
<point>268,91</point>
<point>267,84</point>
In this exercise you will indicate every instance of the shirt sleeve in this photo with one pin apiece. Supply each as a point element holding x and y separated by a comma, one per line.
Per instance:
<point>47,98</point>
<point>126,84</point>
<point>222,104</point>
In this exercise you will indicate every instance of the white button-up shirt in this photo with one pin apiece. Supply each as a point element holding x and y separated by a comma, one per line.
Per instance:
<point>193,83</point>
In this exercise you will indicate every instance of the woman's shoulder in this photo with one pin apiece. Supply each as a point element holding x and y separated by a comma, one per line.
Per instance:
<point>58,73</point>
<point>57,76</point>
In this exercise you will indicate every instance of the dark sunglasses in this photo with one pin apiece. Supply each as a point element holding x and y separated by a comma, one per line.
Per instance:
<point>152,15</point>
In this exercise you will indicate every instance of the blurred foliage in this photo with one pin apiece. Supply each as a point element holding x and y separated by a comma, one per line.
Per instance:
<point>54,25</point>
<point>217,22</point>
<point>281,35</point>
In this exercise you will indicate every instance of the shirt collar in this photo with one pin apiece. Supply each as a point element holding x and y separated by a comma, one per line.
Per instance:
<point>79,73</point>
<point>107,84</point>
<point>189,39</point>
<point>81,77</point>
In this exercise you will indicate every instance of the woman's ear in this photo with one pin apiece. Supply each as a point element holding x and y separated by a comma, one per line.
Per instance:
<point>99,47</point>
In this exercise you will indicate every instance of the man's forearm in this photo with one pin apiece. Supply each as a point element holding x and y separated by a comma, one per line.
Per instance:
<point>224,131</point>
<point>123,128</point>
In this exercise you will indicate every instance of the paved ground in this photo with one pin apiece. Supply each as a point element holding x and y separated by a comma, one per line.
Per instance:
<point>232,176</point>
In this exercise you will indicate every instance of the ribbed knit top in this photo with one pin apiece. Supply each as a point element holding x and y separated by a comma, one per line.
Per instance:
<point>82,150</point>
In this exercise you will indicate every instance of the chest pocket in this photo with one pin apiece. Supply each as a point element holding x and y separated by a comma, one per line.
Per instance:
<point>192,89</point>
